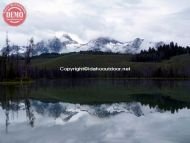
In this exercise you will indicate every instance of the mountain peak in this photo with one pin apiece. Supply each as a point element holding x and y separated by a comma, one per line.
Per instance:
<point>105,40</point>
<point>137,43</point>
<point>67,39</point>
<point>138,39</point>
<point>66,36</point>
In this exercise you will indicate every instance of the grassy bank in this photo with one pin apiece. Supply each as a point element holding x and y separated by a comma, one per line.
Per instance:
<point>16,82</point>
<point>80,60</point>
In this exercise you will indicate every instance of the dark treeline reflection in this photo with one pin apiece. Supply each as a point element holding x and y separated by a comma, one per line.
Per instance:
<point>10,100</point>
<point>162,95</point>
<point>167,95</point>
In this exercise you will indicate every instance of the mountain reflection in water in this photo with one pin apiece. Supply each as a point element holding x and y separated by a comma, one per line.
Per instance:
<point>37,121</point>
<point>95,111</point>
<point>66,112</point>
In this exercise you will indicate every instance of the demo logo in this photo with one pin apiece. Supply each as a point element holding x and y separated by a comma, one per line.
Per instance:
<point>14,14</point>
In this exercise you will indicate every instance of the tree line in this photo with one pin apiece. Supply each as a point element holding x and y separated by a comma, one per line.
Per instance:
<point>19,68</point>
<point>15,67</point>
<point>163,52</point>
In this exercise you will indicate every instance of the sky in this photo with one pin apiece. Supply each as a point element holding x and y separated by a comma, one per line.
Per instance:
<point>124,20</point>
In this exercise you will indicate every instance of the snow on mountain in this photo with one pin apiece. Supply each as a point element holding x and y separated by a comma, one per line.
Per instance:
<point>102,111</point>
<point>138,44</point>
<point>66,44</point>
<point>14,49</point>
<point>103,44</point>
<point>67,39</point>
<point>111,45</point>
<point>71,44</point>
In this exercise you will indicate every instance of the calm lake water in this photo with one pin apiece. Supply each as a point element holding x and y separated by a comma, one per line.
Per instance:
<point>96,111</point>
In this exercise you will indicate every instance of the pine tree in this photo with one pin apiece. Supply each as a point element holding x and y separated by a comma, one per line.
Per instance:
<point>28,57</point>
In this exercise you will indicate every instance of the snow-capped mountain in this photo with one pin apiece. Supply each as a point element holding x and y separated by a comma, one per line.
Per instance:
<point>105,44</point>
<point>14,49</point>
<point>138,44</point>
<point>66,44</point>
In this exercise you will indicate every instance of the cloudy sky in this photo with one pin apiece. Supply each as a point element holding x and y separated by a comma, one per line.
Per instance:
<point>155,20</point>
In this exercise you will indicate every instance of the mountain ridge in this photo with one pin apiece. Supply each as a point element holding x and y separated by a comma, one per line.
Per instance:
<point>66,44</point>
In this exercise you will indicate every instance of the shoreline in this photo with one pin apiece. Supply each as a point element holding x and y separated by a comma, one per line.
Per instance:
<point>15,82</point>
<point>96,78</point>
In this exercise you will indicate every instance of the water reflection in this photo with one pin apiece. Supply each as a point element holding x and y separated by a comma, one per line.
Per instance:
<point>12,107</point>
<point>95,111</point>
<point>167,95</point>
<point>67,111</point>
<point>116,122</point>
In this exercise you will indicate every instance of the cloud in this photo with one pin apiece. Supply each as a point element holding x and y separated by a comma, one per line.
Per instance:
<point>121,19</point>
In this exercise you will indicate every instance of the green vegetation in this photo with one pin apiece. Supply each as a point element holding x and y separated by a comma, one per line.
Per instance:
<point>79,60</point>
<point>16,82</point>
<point>175,67</point>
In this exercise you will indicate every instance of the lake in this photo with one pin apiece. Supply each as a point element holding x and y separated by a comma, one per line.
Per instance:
<point>96,111</point>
